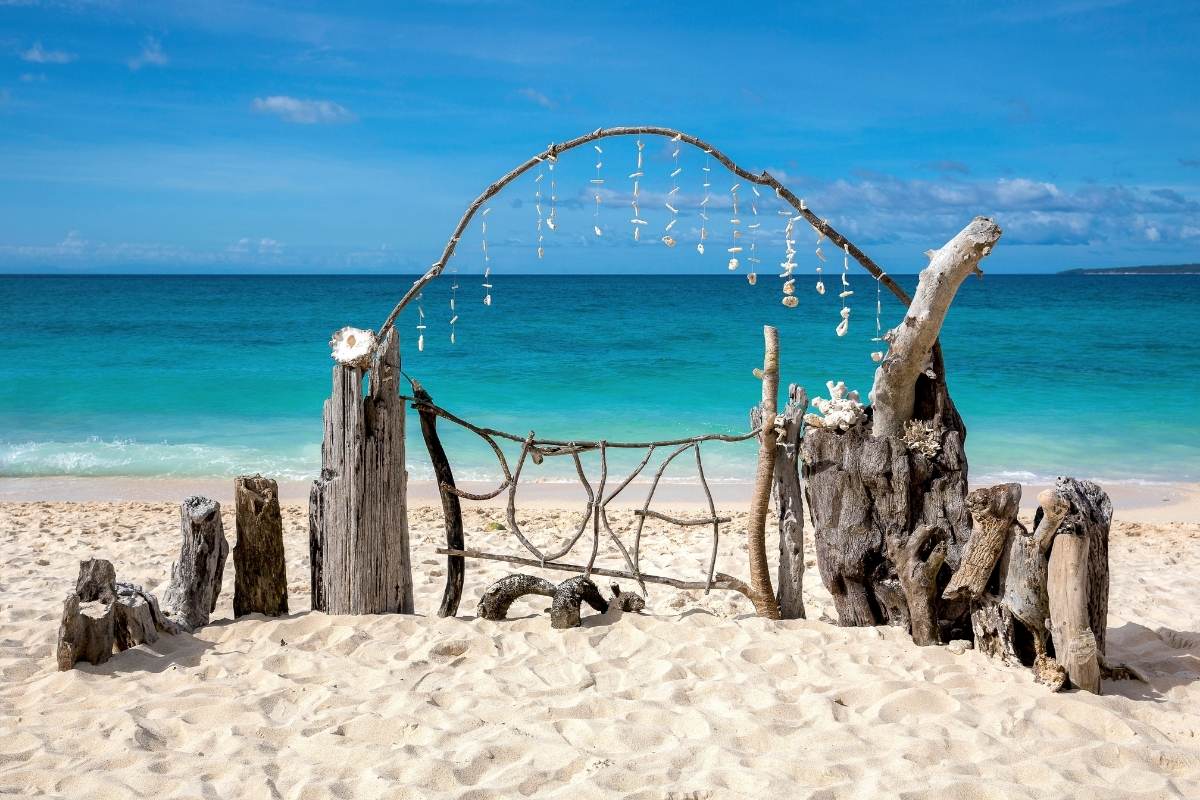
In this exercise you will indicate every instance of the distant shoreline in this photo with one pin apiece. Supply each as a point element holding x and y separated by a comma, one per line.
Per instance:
<point>1156,269</point>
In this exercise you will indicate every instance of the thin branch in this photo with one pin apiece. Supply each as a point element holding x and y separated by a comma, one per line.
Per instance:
<point>712,509</point>
<point>722,581</point>
<point>680,521</point>
<point>553,151</point>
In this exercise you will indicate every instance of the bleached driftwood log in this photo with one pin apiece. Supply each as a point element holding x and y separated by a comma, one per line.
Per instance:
<point>994,510</point>
<point>626,601</point>
<point>196,576</point>
<point>789,502</point>
<point>259,563</point>
<point>761,593</point>
<point>909,344</point>
<point>1077,582</point>
<point>358,517</point>
<point>89,616</point>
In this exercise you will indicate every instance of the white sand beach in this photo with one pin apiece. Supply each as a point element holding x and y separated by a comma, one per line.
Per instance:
<point>694,698</point>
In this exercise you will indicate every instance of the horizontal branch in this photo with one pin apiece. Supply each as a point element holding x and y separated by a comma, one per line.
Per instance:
<point>721,580</point>
<point>685,523</point>
<point>552,152</point>
<point>573,446</point>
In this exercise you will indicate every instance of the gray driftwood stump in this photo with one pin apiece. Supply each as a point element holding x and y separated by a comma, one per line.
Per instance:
<point>195,583</point>
<point>101,615</point>
<point>568,597</point>
<point>358,517</point>
<point>260,571</point>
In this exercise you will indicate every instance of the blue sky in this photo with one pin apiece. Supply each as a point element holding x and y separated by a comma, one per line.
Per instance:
<point>252,136</point>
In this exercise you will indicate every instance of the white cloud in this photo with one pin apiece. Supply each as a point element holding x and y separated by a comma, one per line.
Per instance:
<point>151,55</point>
<point>262,247</point>
<point>303,112</point>
<point>33,77</point>
<point>534,96</point>
<point>40,55</point>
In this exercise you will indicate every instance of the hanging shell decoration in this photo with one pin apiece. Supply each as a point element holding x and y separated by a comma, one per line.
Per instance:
<point>751,278</point>
<point>352,347</point>
<point>844,325</point>
<point>841,412</point>
<point>790,300</point>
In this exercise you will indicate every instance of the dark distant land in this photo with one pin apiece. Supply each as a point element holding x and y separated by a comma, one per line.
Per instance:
<point>1161,269</point>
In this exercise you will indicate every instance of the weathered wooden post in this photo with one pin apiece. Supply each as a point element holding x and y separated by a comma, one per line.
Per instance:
<point>260,569</point>
<point>358,511</point>
<point>195,583</point>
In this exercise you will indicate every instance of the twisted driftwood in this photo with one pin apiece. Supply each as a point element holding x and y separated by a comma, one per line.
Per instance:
<point>259,564</point>
<point>568,596</point>
<point>500,596</point>
<point>196,576</point>
<point>871,482</point>
<point>564,612</point>
<point>918,558</point>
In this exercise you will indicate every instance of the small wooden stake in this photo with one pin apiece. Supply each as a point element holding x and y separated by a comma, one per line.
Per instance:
<point>260,569</point>
<point>196,577</point>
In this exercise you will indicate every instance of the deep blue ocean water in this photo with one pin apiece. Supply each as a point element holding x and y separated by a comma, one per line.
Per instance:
<point>216,376</point>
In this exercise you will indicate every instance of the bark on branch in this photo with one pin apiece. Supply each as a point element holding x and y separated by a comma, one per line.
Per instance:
<point>911,342</point>
<point>554,150</point>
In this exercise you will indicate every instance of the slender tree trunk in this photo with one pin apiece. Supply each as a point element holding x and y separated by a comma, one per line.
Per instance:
<point>761,592</point>
<point>451,507</point>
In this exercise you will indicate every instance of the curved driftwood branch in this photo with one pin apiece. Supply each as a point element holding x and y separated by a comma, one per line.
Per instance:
<point>721,581</point>
<point>911,342</point>
<point>456,566</point>
<point>500,596</point>
<point>571,593</point>
<point>552,152</point>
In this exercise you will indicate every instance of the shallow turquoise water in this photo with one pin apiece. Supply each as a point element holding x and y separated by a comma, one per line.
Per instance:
<point>215,376</point>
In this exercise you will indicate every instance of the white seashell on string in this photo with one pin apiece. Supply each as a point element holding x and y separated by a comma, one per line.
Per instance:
<point>487,299</point>
<point>844,325</point>
<point>700,248</point>
<point>820,287</point>
<point>669,241</point>
<point>596,228</point>
<point>846,293</point>
<point>790,300</point>
<point>421,343</point>
<point>352,347</point>
<point>877,356</point>
<point>733,263</point>
<point>751,278</point>
<point>789,287</point>
<point>550,223</point>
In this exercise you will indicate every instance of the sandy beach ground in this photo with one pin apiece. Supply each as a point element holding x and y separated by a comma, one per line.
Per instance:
<point>695,698</point>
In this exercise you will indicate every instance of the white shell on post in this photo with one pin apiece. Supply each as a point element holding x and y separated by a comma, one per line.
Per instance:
<point>352,347</point>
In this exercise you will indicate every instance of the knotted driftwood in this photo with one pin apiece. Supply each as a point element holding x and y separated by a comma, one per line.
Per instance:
<point>259,563</point>
<point>872,486</point>
<point>567,596</point>
<point>358,517</point>
<point>191,596</point>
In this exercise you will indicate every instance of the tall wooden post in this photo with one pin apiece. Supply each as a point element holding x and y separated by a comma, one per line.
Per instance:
<point>358,508</point>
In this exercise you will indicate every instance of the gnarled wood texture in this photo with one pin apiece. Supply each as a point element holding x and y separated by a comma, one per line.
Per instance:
<point>994,510</point>
<point>456,568</point>
<point>86,632</point>
<point>196,576</point>
<point>259,564</point>
<point>789,504</point>
<point>358,519</point>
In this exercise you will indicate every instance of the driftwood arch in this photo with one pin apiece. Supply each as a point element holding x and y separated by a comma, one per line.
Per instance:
<point>554,150</point>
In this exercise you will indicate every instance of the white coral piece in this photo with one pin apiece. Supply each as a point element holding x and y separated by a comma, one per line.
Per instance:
<point>352,347</point>
<point>841,412</point>
<point>920,436</point>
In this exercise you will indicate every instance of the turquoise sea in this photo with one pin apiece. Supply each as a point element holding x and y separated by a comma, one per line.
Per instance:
<point>216,376</point>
